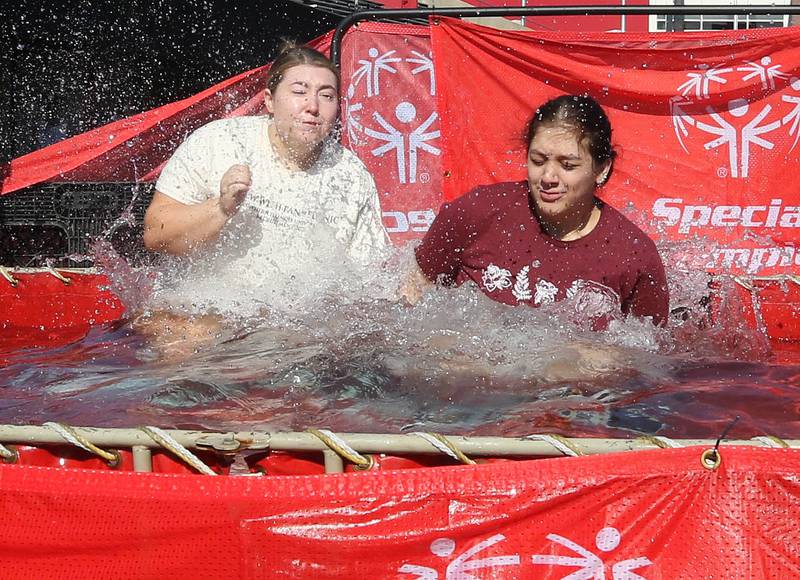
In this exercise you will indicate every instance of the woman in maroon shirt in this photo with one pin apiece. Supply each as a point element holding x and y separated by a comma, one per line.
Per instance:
<point>550,237</point>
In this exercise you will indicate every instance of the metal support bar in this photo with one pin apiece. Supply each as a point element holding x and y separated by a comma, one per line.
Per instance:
<point>333,462</point>
<point>400,14</point>
<point>361,442</point>
<point>142,458</point>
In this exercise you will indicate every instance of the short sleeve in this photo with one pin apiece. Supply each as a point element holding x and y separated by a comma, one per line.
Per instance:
<point>185,177</point>
<point>370,242</point>
<point>441,251</point>
<point>650,296</point>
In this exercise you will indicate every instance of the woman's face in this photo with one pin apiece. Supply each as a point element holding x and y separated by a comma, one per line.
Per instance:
<point>562,174</point>
<point>304,106</point>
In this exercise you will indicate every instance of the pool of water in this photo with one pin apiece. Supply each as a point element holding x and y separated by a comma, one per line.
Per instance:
<point>456,363</point>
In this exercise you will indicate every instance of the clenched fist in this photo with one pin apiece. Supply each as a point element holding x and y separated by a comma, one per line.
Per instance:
<point>233,188</point>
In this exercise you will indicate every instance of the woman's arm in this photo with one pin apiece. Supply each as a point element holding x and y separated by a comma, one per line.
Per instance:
<point>178,228</point>
<point>439,256</point>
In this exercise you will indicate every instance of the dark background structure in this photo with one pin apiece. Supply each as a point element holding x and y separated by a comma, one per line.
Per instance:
<point>67,66</point>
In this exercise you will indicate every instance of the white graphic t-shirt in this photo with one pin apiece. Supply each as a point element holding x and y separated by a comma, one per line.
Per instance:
<point>294,230</point>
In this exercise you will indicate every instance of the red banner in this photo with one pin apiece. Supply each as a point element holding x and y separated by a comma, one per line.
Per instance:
<point>707,126</point>
<point>390,121</point>
<point>645,515</point>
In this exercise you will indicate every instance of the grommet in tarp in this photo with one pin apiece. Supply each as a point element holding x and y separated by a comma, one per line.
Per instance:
<point>9,454</point>
<point>711,459</point>
<point>116,461</point>
<point>370,463</point>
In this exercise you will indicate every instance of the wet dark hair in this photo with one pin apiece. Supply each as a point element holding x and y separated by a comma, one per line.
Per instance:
<point>290,55</point>
<point>582,114</point>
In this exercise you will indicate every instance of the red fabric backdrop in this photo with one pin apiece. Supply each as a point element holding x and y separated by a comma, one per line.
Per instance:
<point>706,125</point>
<point>646,515</point>
<point>390,120</point>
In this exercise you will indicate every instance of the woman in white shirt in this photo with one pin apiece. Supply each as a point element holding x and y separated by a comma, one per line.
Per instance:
<point>250,204</point>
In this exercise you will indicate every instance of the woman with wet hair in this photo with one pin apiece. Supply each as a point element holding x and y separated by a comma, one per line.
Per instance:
<point>550,237</point>
<point>283,166</point>
<point>250,205</point>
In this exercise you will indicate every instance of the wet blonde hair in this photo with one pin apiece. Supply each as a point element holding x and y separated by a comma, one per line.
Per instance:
<point>290,55</point>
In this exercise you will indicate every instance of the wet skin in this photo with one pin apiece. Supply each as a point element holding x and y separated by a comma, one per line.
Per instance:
<point>563,176</point>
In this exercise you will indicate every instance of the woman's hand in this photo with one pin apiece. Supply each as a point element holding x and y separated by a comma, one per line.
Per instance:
<point>233,188</point>
<point>414,286</point>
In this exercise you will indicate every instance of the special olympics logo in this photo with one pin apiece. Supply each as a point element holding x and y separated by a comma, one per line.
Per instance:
<point>405,132</point>
<point>741,126</point>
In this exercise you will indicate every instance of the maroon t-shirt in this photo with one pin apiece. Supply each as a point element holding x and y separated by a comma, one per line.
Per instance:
<point>492,237</point>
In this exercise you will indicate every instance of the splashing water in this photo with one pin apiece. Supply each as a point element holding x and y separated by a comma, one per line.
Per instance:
<point>325,346</point>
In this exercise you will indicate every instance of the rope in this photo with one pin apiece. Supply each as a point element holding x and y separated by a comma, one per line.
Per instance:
<point>662,442</point>
<point>6,273</point>
<point>168,442</point>
<point>772,441</point>
<point>341,447</point>
<point>73,437</point>
<point>59,275</point>
<point>444,445</point>
<point>557,441</point>
<point>8,455</point>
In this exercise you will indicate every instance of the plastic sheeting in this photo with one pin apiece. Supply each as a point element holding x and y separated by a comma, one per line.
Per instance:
<point>644,515</point>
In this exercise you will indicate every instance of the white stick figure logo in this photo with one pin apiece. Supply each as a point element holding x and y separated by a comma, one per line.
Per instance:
<point>680,119</point>
<point>425,65</point>
<point>699,82</point>
<point>728,134</point>
<point>765,73</point>
<point>370,70</point>
<point>742,126</point>
<point>395,140</point>
<point>461,566</point>
<point>793,117</point>
<point>352,122</point>
<point>591,566</point>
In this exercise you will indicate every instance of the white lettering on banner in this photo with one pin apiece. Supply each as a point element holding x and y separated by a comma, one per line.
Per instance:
<point>462,566</point>
<point>591,565</point>
<point>415,221</point>
<point>775,215</point>
<point>739,136</point>
<point>754,260</point>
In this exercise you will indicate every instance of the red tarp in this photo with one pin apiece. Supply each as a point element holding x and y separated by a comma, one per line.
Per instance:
<point>644,515</point>
<point>707,126</point>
